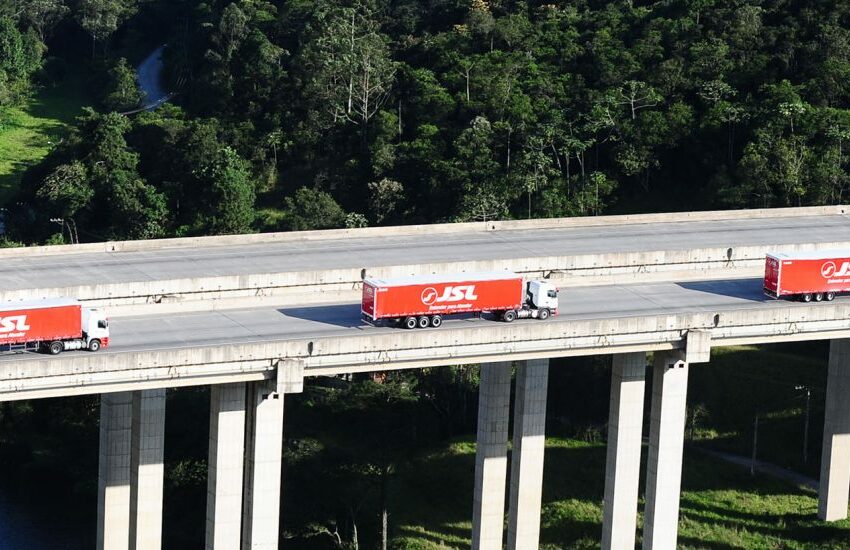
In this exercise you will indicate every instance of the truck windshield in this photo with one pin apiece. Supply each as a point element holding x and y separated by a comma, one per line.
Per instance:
<point>552,294</point>
<point>102,324</point>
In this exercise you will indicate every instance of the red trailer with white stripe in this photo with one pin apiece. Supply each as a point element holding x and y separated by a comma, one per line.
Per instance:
<point>807,276</point>
<point>424,300</point>
<point>52,325</point>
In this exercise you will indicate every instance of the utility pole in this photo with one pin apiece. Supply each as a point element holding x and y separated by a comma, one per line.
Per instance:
<point>755,445</point>
<point>808,391</point>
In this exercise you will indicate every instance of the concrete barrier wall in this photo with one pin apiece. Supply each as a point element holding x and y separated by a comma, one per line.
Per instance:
<point>412,230</point>
<point>81,372</point>
<point>311,287</point>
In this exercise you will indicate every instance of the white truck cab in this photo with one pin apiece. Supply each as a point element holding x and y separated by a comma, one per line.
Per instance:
<point>95,329</point>
<point>543,294</point>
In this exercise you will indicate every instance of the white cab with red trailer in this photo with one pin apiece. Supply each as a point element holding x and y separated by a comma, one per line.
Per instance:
<point>424,300</point>
<point>52,326</point>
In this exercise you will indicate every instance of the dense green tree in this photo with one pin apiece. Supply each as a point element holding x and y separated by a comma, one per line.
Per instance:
<point>231,192</point>
<point>313,209</point>
<point>20,56</point>
<point>123,93</point>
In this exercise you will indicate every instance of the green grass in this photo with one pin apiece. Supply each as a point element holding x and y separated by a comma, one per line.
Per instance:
<point>28,132</point>
<point>722,506</point>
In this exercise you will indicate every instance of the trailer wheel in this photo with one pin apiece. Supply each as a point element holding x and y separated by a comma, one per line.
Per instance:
<point>424,321</point>
<point>543,314</point>
<point>807,297</point>
<point>94,345</point>
<point>410,322</point>
<point>509,316</point>
<point>818,297</point>
<point>55,347</point>
<point>830,296</point>
<point>436,321</point>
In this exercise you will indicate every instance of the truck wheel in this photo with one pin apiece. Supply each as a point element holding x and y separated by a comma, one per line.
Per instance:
<point>94,345</point>
<point>830,296</point>
<point>55,347</point>
<point>424,321</point>
<point>807,297</point>
<point>818,297</point>
<point>543,314</point>
<point>436,321</point>
<point>410,322</point>
<point>509,315</point>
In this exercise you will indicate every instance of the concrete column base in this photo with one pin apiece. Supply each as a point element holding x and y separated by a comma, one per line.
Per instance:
<point>224,483</point>
<point>664,466</point>
<point>146,471</point>
<point>491,456</point>
<point>113,475</point>
<point>529,444</point>
<point>622,466</point>
<point>263,461</point>
<point>835,459</point>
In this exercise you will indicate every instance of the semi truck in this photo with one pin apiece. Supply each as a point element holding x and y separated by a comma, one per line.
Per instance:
<point>807,276</point>
<point>425,300</point>
<point>52,326</point>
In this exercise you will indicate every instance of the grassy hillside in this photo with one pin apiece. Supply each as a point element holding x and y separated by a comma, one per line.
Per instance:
<point>722,506</point>
<point>28,132</point>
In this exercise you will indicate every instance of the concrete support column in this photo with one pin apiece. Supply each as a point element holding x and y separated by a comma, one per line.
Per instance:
<point>113,474</point>
<point>622,466</point>
<point>264,450</point>
<point>666,438</point>
<point>529,442</point>
<point>491,456</point>
<point>835,459</point>
<point>146,469</point>
<point>224,482</point>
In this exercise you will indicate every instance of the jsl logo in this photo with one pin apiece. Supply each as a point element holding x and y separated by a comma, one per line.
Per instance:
<point>14,323</point>
<point>450,294</point>
<point>828,270</point>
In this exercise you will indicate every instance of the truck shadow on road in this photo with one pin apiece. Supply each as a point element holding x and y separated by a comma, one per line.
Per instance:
<point>742,289</point>
<point>340,315</point>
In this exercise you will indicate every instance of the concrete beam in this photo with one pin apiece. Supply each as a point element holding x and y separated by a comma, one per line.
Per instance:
<point>146,469</point>
<point>529,443</point>
<point>835,459</point>
<point>491,456</point>
<point>263,453</point>
<point>113,474</point>
<point>664,465</point>
<point>622,466</point>
<point>225,478</point>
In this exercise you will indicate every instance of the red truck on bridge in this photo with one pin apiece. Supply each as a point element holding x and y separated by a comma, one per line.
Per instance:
<point>52,326</point>
<point>807,276</point>
<point>424,300</point>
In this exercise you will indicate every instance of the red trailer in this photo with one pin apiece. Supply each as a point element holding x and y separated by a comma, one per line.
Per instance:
<point>817,275</point>
<point>52,325</point>
<point>422,301</point>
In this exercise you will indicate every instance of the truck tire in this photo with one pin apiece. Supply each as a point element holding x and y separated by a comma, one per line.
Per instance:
<point>818,297</point>
<point>509,316</point>
<point>436,321</point>
<point>543,314</point>
<point>55,347</point>
<point>829,296</point>
<point>94,345</point>
<point>423,321</point>
<point>410,322</point>
<point>807,297</point>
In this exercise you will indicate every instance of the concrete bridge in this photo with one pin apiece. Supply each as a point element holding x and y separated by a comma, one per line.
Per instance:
<point>253,315</point>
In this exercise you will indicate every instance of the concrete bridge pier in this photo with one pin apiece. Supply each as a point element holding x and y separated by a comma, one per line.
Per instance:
<point>835,459</point>
<point>491,456</point>
<point>666,440</point>
<point>130,470</point>
<point>529,443</point>
<point>622,466</point>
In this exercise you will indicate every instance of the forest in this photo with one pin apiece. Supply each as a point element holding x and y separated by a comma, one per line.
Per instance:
<point>310,114</point>
<point>313,114</point>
